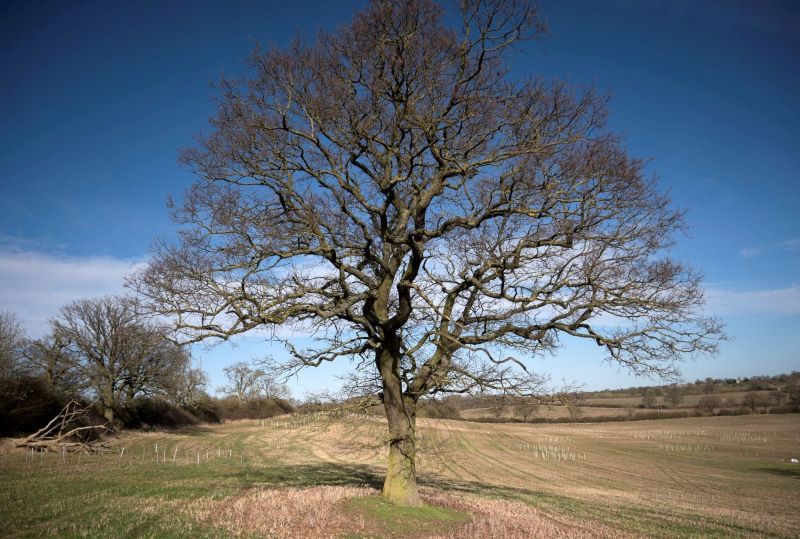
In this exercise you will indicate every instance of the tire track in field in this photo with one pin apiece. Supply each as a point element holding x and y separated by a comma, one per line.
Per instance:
<point>480,455</point>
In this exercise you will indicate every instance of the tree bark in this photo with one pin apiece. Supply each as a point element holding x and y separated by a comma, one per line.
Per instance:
<point>108,403</point>
<point>108,413</point>
<point>400,486</point>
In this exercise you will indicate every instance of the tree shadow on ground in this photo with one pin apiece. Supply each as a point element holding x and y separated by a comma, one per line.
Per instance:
<point>489,490</point>
<point>310,475</point>
<point>190,430</point>
<point>330,474</point>
<point>783,472</point>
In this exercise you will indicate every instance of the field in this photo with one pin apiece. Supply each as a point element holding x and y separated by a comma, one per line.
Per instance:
<point>618,408</point>
<point>302,476</point>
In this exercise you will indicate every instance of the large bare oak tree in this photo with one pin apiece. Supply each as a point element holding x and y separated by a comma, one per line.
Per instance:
<point>391,190</point>
<point>117,351</point>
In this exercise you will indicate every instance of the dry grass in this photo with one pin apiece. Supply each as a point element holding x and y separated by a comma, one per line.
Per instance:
<point>316,512</point>
<point>283,513</point>
<point>503,518</point>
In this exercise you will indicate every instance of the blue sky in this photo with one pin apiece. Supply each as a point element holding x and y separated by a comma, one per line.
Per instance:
<point>98,96</point>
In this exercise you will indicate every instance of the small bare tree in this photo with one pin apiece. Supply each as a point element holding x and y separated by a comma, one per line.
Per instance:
<point>389,190</point>
<point>247,381</point>
<point>190,388</point>
<point>242,381</point>
<point>708,403</point>
<point>12,338</point>
<point>526,407</point>
<point>674,396</point>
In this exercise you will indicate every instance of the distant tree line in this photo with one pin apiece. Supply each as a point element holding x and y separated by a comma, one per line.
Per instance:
<point>756,395</point>
<point>107,351</point>
<point>788,384</point>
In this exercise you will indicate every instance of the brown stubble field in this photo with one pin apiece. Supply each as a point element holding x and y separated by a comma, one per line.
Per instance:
<point>713,476</point>
<point>725,475</point>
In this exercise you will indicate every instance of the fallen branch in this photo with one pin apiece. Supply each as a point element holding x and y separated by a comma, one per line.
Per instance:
<point>60,434</point>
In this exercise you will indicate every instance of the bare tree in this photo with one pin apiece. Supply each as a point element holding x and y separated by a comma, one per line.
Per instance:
<point>497,404</point>
<point>708,403</point>
<point>154,366</point>
<point>248,382</point>
<point>649,400</point>
<point>391,191</point>
<point>190,388</point>
<point>50,359</point>
<point>268,386</point>
<point>117,352</point>
<point>12,338</point>
<point>753,401</point>
<point>242,381</point>
<point>674,396</point>
<point>527,407</point>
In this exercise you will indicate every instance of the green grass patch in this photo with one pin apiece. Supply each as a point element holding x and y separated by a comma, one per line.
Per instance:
<point>385,519</point>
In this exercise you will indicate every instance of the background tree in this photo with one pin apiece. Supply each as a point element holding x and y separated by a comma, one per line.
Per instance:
<point>708,403</point>
<point>116,350</point>
<point>674,396</point>
<point>778,397</point>
<point>154,366</point>
<point>12,338</point>
<point>190,388</point>
<point>242,381</point>
<point>390,189</point>
<point>252,382</point>
<point>50,359</point>
<point>269,387</point>
<point>527,408</point>
<point>649,399</point>
<point>752,401</point>
<point>497,404</point>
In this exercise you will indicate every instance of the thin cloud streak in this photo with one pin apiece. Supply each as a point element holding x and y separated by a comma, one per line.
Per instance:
<point>36,285</point>
<point>778,302</point>
<point>791,245</point>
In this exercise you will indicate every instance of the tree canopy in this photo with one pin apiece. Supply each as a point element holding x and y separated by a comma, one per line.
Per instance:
<point>389,189</point>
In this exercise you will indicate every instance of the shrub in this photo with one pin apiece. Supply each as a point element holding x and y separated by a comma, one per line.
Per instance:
<point>233,408</point>
<point>152,413</point>
<point>27,404</point>
<point>439,410</point>
<point>206,410</point>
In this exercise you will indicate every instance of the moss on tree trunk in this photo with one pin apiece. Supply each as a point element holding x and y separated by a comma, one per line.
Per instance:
<point>400,486</point>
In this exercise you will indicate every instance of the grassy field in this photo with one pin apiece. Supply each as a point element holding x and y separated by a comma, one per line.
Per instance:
<point>310,477</point>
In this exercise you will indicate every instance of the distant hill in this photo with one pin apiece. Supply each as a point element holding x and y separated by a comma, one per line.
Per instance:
<point>712,396</point>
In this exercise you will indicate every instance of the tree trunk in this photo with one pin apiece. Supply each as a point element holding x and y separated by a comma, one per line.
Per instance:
<point>400,486</point>
<point>107,401</point>
<point>108,413</point>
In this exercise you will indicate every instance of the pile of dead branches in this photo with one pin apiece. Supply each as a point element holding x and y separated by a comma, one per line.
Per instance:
<point>65,433</point>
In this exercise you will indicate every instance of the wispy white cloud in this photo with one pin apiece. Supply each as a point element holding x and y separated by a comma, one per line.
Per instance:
<point>749,252</point>
<point>35,285</point>
<point>777,301</point>
<point>791,245</point>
